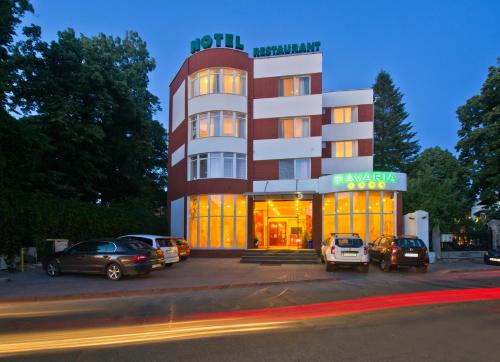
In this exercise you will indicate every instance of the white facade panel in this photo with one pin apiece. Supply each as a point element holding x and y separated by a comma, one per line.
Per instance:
<point>217,102</point>
<point>287,106</point>
<point>178,106</point>
<point>177,217</point>
<point>281,148</point>
<point>178,155</point>
<point>287,65</point>
<point>275,186</point>
<point>349,164</point>
<point>348,98</point>
<point>217,144</point>
<point>347,131</point>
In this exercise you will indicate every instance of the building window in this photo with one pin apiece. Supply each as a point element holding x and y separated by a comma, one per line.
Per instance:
<point>367,213</point>
<point>218,123</point>
<point>299,168</point>
<point>217,221</point>
<point>344,149</point>
<point>294,127</point>
<point>218,165</point>
<point>216,81</point>
<point>295,86</point>
<point>344,115</point>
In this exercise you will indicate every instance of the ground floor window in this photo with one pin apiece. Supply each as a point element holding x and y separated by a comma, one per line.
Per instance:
<point>368,213</point>
<point>217,221</point>
<point>283,224</point>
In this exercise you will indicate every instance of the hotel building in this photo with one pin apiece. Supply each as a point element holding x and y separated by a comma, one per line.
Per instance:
<point>260,156</point>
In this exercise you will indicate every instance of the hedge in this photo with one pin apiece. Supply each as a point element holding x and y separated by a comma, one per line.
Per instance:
<point>26,219</point>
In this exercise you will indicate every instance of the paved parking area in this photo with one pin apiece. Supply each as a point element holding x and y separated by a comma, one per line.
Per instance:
<point>196,274</point>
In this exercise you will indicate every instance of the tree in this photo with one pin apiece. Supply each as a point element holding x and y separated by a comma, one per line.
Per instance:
<point>89,96</point>
<point>438,184</point>
<point>479,141</point>
<point>395,147</point>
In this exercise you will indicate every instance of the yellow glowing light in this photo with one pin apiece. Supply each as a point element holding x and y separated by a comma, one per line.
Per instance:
<point>351,185</point>
<point>361,185</point>
<point>381,185</point>
<point>371,185</point>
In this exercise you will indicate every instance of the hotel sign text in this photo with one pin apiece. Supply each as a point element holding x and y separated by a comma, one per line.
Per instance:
<point>294,48</point>
<point>220,39</point>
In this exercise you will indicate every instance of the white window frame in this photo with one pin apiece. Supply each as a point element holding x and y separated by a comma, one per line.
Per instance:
<point>194,82</point>
<point>295,91</point>
<point>280,127</point>
<point>235,156</point>
<point>195,118</point>
<point>354,115</point>
<point>295,168</point>
<point>354,149</point>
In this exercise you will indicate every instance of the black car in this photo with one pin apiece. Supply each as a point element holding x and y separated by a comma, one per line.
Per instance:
<point>492,257</point>
<point>113,257</point>
<point>393,251</point>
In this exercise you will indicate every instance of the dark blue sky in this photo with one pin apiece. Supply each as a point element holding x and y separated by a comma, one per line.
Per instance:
<point>437,52</point>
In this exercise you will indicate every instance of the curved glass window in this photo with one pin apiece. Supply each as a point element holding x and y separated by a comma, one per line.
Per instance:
<point>222,225</point>
<point>217,124</point>
<point>218,165</point>
<point>218,80</point>
<point>368,213</point>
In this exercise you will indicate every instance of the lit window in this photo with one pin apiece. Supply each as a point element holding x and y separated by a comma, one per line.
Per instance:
<point>344,115</point>
<point>218,165</point>
<point>295,169</point>
<point>218,123</point>
<point>217,80</point>
<point>344,149</point>
<point>294,127</point>
<point>294,86</point>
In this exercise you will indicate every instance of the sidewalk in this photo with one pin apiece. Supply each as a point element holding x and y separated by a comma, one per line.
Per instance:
<point>195,274</point>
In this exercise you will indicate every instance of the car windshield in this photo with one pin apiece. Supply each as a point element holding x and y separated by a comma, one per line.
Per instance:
<point>410,243</point>
<point>181,242</point>
<point>349,242</point>
<point>165,243</point>
<point>137,245</point>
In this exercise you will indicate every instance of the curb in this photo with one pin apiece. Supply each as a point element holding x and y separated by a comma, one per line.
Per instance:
<point>468,270</point>
<point>156,291</point>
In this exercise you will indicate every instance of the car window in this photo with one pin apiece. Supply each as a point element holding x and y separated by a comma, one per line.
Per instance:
<point>165,243</point>
<point>144,240</point>
<point>410,243</point>
<point>137,245</point>
<point>384,243</point>
<point>84,247</point>
<point>349,242</point>
<point>105,247</point>
<point>181,242</point>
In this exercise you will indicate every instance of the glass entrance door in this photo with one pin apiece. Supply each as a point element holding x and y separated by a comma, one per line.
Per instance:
<point>277,233</point>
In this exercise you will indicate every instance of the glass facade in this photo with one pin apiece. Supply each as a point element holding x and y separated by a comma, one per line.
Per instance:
<point>218,124</point>
<point>217,165</point>
<point>217,221</point>
<point>368,213</point>
<point>216,81</point>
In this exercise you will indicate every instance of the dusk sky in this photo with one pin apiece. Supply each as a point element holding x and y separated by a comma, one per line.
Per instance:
<point>438,52</point>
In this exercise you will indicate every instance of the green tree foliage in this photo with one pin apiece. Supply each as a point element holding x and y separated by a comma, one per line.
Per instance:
<point>11,13</point>
<point>395,147</point>
<point>89,97</point>
<point>437,184</point>
<point>479,140</point>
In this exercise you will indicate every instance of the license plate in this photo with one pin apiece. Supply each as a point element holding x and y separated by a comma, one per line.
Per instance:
<point>495,259</point>
<point>156,265</point>
<point>411,255</point>
<point>350,254</point>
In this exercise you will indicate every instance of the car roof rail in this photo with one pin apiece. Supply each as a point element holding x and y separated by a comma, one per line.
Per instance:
<point>350,234</point>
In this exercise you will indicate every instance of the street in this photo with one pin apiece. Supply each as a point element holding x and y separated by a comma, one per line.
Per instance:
<point>400,315</point>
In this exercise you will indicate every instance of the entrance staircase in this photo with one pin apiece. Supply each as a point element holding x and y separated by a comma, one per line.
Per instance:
<point>269,256</point>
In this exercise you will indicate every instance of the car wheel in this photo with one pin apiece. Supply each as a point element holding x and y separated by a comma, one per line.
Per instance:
<point>53,269</point>
<point>114,271</point>
<point>168,265</point>
<point>384,265</point>
<point>422,269</point>
<point>322,259</point>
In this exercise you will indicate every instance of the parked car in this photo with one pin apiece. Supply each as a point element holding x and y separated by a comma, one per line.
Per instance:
<point>183,248</point>
<point>345,250</point>
<point>394,251</point>
<point>492,257</point>
<point>113,257</point>
<point>164,243</point>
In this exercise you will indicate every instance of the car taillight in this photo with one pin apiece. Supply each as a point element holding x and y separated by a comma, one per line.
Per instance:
<point>139,258</point>
<point>333,250</point>
<point>394,250</point>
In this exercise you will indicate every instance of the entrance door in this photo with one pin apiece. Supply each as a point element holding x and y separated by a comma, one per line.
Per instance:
<point>277,233</point>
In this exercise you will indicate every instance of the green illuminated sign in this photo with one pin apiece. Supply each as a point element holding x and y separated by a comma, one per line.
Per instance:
<point>364,180</point>
<point>206,42</point>
<point>295,48</point>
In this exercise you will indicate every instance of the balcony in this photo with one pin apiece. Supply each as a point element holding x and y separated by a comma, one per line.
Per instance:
<point>330,166</point>
<point>347,131</point>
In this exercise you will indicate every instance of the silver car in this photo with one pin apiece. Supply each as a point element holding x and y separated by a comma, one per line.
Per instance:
<point>168,246</point>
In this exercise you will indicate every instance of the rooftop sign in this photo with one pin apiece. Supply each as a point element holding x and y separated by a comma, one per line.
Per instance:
<point>226,40</point>
<point>294,48</point>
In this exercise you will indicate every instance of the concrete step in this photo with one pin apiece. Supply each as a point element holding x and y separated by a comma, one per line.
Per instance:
<point>278,261</point>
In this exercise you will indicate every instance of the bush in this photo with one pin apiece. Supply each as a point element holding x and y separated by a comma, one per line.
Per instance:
<point>28,218</point>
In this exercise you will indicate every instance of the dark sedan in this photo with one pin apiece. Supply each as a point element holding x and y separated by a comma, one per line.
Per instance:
<point>492,257</point>
<point>113,257</point>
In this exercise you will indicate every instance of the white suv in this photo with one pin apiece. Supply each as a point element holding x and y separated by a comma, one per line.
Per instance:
<point>345,250</point>
<point>168,246</point>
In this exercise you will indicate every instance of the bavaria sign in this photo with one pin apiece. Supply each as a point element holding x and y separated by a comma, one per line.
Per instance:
<point>358,181</point>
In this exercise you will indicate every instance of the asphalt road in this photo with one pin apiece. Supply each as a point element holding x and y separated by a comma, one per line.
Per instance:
<point>355,316</point>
